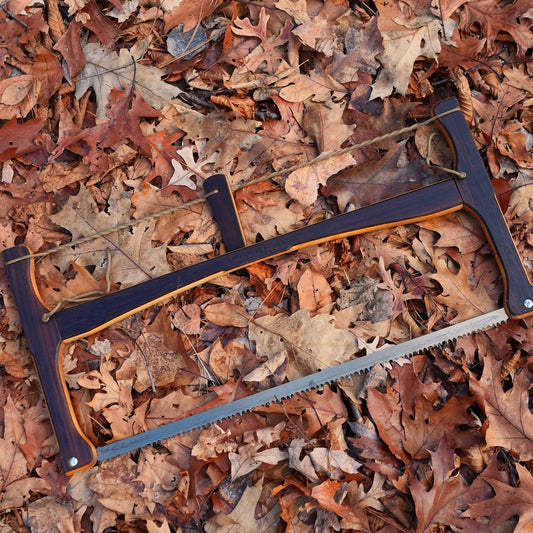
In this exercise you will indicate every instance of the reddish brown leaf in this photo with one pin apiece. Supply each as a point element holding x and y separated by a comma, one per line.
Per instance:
<point>70,48</point>
<point>17,139</point>
<point>449,495</point>
<point>509,420</point>
<point>325,495</point>
<point>496,18</point>
<point>508,501</point>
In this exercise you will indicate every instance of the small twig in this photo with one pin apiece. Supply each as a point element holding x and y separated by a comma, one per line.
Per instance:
<point>14,17</point>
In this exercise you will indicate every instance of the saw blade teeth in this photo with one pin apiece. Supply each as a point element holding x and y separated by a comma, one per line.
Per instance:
<point>384,356</point>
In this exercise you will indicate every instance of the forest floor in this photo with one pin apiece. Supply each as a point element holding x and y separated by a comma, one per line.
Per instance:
<point>113,111</point>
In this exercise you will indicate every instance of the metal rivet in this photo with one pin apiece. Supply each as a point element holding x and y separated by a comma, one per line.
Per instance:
<point>73,461</point>
<point>528,303</point>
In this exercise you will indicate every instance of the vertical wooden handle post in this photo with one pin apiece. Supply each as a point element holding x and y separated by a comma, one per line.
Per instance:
<point>45,344</point>
<point>479,199</point>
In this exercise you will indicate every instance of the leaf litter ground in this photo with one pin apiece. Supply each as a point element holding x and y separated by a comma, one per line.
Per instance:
<point>106,119</point>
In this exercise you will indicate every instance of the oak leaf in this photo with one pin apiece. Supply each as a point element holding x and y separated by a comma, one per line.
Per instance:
<point>243,518</point>
<point>18,96</point>
<point>333,463</point>
<point>159,476</point>
<point>302,184</point>
<point>106,70</point>
<point>325,125</point>
<point>407,420</point>
<point>509,419</point>
<point>316,85</point>
<point>312,343</point>
<point>378,179</point>
<point>459,292</point>
<point>398,290</point>
<point>325,495</point>
<point>508,501</point>
<point>118,488</point>
<point>363,42</point>
<point>13,464</point>
<point>50,513</point>
<point>458,229</point>
<point>112,392</point>
<point>249,459</point>
<point>18,139</point>
<point>273,219</point>
<point>449,495</point>
<point>136,259</point>
<point>314,291</point>
<point>266,56</point>
<point>494,18</point>
<point>183,172</point>
<point>227,314</point>
<point>304,465</point>
<point>402,47</point>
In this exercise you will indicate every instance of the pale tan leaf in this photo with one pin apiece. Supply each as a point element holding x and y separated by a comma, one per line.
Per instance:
<point>242,518</point>
<point>401,49</point>
<point>302,184</point>
<point>105,70</point>
<point>226,314</point>
<point>312,343</point>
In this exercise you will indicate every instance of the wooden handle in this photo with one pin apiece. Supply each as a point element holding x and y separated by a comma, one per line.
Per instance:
<point>222,203</point>
<point>479,199</point>
<point>45,343</point>
<point>46,340</point>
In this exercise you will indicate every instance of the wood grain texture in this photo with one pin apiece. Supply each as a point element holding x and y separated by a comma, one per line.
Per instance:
<point>45,343</point>
<point>46,340</point>
<point>479,199</point>
<point>224,210</point>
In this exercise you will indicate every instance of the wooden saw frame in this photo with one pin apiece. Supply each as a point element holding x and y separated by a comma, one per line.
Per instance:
<point>47,340</point>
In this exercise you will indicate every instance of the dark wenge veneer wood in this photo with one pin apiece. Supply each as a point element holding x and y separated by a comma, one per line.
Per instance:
<point>47,340</point>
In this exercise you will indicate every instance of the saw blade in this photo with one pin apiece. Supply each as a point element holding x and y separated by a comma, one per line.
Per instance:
<point>314,381</point>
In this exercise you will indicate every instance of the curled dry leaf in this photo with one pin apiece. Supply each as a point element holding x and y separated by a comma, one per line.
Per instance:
<point>18,96</point>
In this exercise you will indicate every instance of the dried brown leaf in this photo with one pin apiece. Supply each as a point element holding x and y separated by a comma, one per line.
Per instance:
<point>509,419</point>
